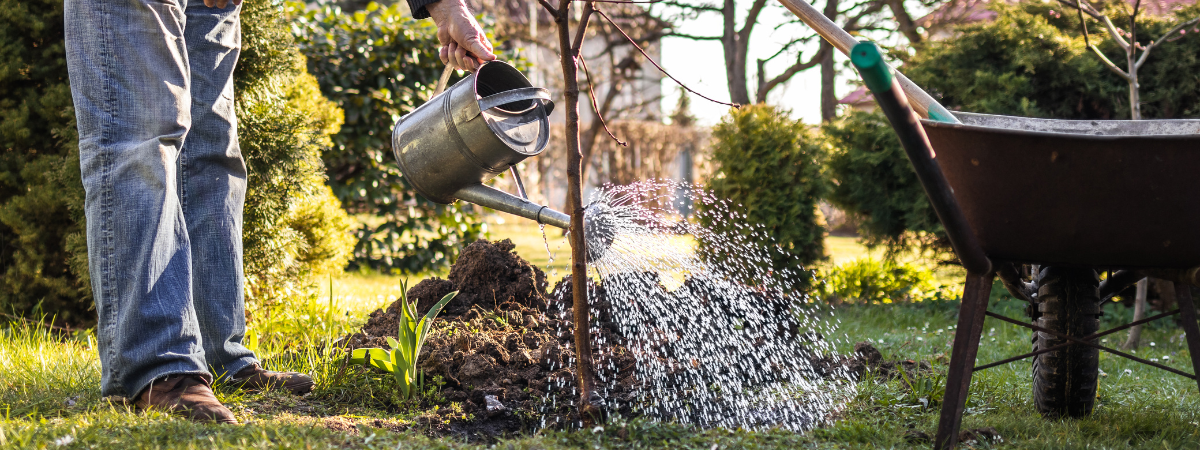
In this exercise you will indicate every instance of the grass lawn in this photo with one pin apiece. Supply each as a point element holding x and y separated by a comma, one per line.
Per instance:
<point>49,387</point>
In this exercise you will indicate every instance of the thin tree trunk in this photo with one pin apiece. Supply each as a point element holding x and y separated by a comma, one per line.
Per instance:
<point>828,78</point>
<point>584,369</point>
<point>735,57</point>
<point>1139,313</point>
<point>1135,100</point>
<point>828,71</point>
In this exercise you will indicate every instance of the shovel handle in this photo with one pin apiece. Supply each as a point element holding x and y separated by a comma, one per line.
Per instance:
<point>921,101</point>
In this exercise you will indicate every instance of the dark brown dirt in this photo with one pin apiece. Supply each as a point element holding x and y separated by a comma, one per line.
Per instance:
<point>867,358</point>
<point>496,339</point>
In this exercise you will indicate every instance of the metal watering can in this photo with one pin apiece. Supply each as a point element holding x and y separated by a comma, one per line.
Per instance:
<point>476,129</point>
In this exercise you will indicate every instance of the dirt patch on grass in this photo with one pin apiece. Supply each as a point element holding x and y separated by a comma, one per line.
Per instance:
<point>501,357</point>
<point>866,358</point>
<point>504,350</point>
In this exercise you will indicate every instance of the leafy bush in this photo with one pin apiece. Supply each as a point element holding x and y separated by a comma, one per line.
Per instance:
<point>377,65</point>
<point>1028,62</point>
<point>43,261</point>
<point>283,125</point>
<point>770,165</point>
<point>872,178</point>
<point>867,280</point>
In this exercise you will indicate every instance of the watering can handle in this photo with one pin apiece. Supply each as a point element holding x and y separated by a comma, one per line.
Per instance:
<point>441,86</point>
<point>516,95</point>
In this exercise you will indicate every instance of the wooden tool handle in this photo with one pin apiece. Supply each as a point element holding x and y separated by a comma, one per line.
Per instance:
<point>921,101</point>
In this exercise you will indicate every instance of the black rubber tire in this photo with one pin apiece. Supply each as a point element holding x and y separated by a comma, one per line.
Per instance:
<point>1064,381</point>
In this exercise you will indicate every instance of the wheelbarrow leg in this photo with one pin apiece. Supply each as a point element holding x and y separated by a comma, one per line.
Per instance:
<point>1187,312</point>
<point>962,359</point>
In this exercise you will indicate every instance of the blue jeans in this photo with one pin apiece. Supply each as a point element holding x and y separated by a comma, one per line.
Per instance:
<point>152,82</point>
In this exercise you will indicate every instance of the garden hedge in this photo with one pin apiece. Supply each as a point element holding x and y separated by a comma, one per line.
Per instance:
<point>293,225</point>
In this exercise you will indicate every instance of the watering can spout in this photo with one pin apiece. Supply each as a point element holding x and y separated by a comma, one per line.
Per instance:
<point>502,201</point>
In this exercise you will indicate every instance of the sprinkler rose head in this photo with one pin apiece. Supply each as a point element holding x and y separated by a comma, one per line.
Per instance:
<point>598,231</point>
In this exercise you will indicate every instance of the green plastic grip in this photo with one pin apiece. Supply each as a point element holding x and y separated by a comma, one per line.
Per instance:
<point>867,58</point>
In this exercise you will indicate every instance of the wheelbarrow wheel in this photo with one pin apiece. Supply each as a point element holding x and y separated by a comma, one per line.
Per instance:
<point>1064,381</point>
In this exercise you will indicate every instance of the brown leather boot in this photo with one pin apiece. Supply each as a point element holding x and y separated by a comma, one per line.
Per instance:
<point>255,377</point>
<point>185,395</point>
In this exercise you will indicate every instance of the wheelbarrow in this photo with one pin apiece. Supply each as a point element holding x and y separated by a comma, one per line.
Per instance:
<point>1065,198</point>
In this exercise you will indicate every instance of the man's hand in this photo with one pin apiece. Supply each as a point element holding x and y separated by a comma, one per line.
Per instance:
<point>220,3</point>
<point>463,43</point>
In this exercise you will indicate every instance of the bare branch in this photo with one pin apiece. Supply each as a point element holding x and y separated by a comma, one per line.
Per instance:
<point>1137,6</point>
<point>751,19</point>
<point>693,37</point>
<point>596,108</point>
<point>904,21</point>
<point>549,7</point>
<point>788,46</point>
<point>800,65</point>
<point>1109,64</point>
<point>1163,38</point>
<point>701,7</point>
<point>655,63</point>
<point>1082,6</point>
<point>581,30</point>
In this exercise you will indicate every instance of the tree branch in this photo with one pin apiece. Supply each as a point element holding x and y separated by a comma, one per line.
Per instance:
<point>549,7</point>
<point>693,37</point>
<point>800,65</point>
<point>1163,38</point>
<point>655,63</point>
<point>1089,10</point>
<point>595,107</point>
<point>904,21</point>
<point>751,19</point>
<point>581,30</point>
<point>1109,64</point>
<point>703,7</point>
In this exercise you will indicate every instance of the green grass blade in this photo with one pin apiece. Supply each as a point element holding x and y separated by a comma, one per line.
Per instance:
<point>437,308</point>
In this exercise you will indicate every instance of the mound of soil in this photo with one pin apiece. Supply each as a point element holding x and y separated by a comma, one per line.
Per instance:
<point>498,352</point>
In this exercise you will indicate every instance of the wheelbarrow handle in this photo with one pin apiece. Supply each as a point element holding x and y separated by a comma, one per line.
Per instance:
<point>867,58</point>
<point>924,103</point>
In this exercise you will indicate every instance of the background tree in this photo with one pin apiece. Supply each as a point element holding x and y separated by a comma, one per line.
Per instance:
<point>378,64</point>
<point>855,16</point>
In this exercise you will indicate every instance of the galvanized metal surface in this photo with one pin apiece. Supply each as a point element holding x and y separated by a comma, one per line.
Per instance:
<point>503,201</point>
<point>447,143</point>
<point>1093,193</point>
<point>479,127</point>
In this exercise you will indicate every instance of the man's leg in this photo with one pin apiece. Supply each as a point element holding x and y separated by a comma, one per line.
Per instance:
<point>212,186</point>
<point>130,84</point>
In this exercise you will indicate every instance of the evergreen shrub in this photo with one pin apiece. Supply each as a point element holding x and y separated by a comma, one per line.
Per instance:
<point>872,178</point>
<point>43,253</point>
<point>1029,62</point>
<point>769,167</point>
<point>293,225</point>
<point>378,64</point>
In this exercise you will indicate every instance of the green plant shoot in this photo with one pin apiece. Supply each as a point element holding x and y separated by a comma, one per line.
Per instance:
<point>401,360</point>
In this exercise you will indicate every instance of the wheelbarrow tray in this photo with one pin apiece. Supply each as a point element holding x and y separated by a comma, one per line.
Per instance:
<point>1115,193</point>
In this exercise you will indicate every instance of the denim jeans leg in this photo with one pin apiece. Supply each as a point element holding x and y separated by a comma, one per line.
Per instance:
<point>212,177</point>
<point>130,84</point>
